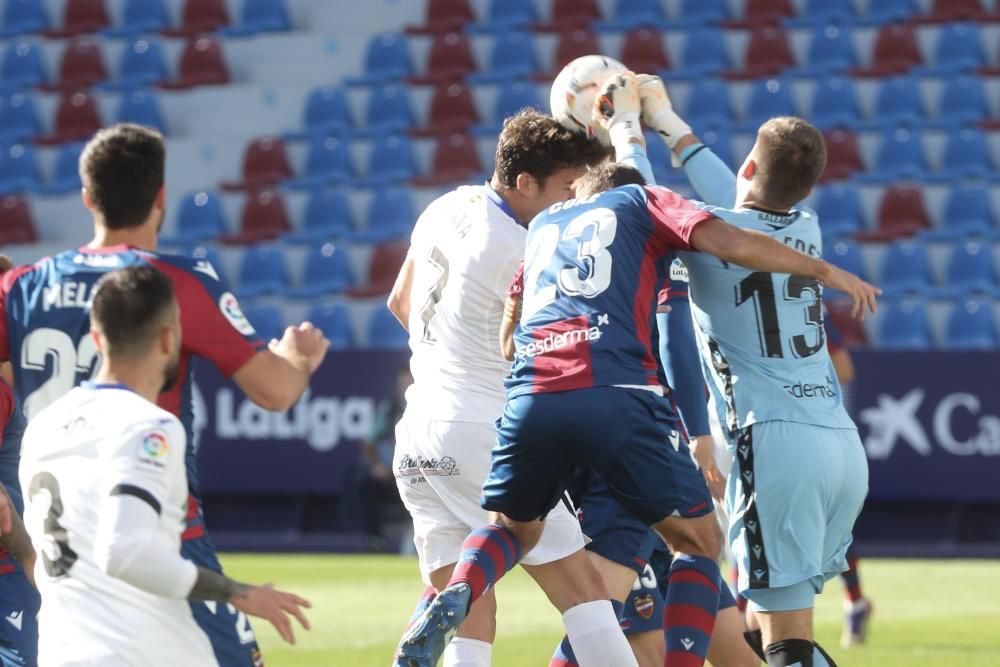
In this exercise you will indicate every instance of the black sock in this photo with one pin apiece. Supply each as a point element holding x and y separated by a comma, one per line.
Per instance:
<point>826,656</point>
<point>756,643</point>
<point>789,653</point>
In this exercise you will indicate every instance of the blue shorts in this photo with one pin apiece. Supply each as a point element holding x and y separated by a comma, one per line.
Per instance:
<point>233,640</point>
<point>19,603</point>
<point>793,497</point>
<point>625,436</point>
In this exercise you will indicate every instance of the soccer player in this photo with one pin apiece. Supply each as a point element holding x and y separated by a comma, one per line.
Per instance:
<point>583,388</point>
<point>103,469</point>
<point>801,473</point>
<point>450,295</point>
<point>44,330</point>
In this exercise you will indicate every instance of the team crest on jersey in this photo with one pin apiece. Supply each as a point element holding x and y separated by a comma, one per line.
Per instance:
<point>678,271</point>
<point>644,605</point>
<point>154,450</point>
<point>231,310</point>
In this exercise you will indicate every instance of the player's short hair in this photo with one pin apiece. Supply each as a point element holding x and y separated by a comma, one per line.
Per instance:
<point>534,143</point>
<point>122,170</point>
<point>129,307</point>
<point>791,160</point>
<point>606,177</point>
<point>6,264</point>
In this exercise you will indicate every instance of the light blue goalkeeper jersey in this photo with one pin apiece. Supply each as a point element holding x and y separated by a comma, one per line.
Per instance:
<point>761,336</point>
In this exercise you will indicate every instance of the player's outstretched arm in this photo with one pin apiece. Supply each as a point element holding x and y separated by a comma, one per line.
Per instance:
<point>754,250</point>
<point>277,377</point>
<point>511,316</point>
<point>399,298</point>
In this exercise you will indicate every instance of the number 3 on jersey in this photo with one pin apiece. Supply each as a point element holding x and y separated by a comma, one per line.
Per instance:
<point>592,232</point>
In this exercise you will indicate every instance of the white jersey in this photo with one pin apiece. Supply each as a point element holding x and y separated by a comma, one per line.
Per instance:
<point>465,249</point>
<point>95,441</point>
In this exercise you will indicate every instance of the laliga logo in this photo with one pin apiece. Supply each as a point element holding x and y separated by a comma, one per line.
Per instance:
<point>894,420</point>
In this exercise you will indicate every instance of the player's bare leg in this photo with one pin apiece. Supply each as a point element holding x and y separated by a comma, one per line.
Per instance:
<point>473,644</point>
<point>728,647</point>
<point>648,647</point>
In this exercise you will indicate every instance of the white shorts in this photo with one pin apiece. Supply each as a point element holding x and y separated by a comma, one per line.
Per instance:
<point>440,468</point>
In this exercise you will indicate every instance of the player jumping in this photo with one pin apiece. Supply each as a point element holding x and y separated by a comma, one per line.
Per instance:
<point>103,471</point>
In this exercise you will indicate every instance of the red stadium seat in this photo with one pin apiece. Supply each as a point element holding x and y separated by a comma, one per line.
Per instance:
<point>763,12</point>
<point>77,119</point>
<point>945,11</point>
<point>571,15</point>
<point>264,217</point>
<point>200,16</point>
<point>571,46</point>
<point>81,17</point>
<point>895,52</point>
<point>455,159</point>
<point>383,267</point>
<point>901,213</point>
<point>843,155</point>
<point>643,51</point>
<point>265,162</point>
<point>851,330</point>
<point>202,64</point>
<point>452,109</point>
<point>767,54</point>
<point>82,66</point>
<point>16,225</point>
<point>450,59</point>
<point>444,16</point>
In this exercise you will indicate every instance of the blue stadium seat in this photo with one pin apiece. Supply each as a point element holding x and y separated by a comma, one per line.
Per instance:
<point>390,215</point>
<point>326,111</point>
<point>708,104</point>
<point>503,15</point>
<point>971,326</point>
<point>721,142</point>
<point>839,208</point>
<point>963,101</point>
<point>701,12</point>
<point>966,155</point>
<point>631,14</point>
<point>845,254</point>
<point>704,53</point>
<point>967,212</point>
<point>66,175</point>
<point>267,320</point>
<point>898,101</point>
<point>511,98</point>
<point>905,269</point>
<point>659,158</point>
<point>391,161</point>
<point>335,322</point>
<point>900,156</point>
<point>385,332</point>
<point>387,58</point>
<point>768,98</point>
<point>23,17</point>
<point>327,271</point>
<point>18,168</point>
<point>140,16</point>
<point>258,16</point>
<point>22,66</point>
<point>327,215</point>
<point>889,11</point>
<point>816,13</point>
<point>970,270</point>
<point>830,50</point>
<point>18,117</point>
<point>512,57</point>
<point>328,163</point>
<point>263,272</point>
<point>142,64</point>
<point>389,109</point>
<point>905,326</point>
<point>200,217</point>
<point>207,253</point>
<point>142,107</point>
<point>959,49</point>
<point>835,103</point>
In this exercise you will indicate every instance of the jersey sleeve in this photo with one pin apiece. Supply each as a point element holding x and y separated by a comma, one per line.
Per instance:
<point>673,217</point>
<point>7,403</point>
<point>212,323</point>
<point>515,290</point>
<point>145,461</point>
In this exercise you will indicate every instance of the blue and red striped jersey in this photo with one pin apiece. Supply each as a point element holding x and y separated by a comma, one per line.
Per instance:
<point>590,281</point>
<point>45,326</point>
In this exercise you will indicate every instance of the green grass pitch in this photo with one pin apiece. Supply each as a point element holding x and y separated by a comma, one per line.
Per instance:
<point>927,613</point>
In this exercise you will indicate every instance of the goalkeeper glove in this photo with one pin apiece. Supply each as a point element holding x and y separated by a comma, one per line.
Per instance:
<point>658,112</point>
<point>617,109</point>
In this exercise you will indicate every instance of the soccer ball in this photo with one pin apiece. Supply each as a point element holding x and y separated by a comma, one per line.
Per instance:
<point>573,92</point>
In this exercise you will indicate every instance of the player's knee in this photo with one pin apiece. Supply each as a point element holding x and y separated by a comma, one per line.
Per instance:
<point>527,533</point>
<point>695,537</point>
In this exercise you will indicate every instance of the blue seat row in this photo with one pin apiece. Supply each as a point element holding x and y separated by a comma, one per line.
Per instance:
<point>969,325</point>
<point>382,332</point>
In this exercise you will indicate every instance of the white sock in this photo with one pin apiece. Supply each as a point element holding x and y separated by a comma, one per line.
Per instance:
<point>462,652</point>
<point>596,637</point>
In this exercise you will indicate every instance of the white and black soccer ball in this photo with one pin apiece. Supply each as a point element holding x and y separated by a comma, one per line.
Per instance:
<point>574,90</point>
